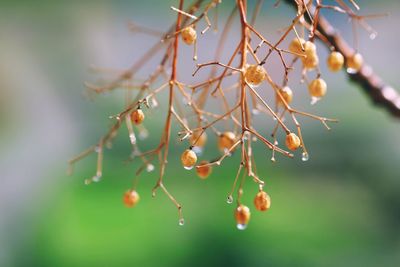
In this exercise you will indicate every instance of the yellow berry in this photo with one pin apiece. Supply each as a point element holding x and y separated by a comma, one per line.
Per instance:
<point>262,201</point>
<point>287,95</point>
<point>317,88</point>
<point>254,74</point>
<point>310,48</point>
<point>189,35</point>
<point>131,198</point>
<point>242,216</point>
<point>355,62</point>
<point>198,140</point>
<point>310,60</point>
<point>137,116</point>
<point>226,140</point>
<point>292,141</point>
<point>188,158</point>
<point>335,61</point>
<point>203,171</point>
<point>295,45</point>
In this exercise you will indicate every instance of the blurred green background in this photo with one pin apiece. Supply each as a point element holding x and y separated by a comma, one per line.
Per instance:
<point>341,208</point>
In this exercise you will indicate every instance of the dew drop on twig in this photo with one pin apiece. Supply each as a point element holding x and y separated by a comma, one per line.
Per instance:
<point>241,226</point>
<point>150,167</point>
<point>181,222</point>
<point>229,200</point>
<point>305,156</point>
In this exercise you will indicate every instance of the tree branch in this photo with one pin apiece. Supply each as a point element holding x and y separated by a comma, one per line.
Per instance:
<point>377,90</point>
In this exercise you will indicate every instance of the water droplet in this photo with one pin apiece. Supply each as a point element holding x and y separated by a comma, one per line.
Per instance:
<point>253,84</point>
<point>273,159</point>
<point>229,200</point>
<point>276,142</point>
<point>198,150</point>
<point>132,137</point>
<point>88,181</point>
<point>154,103</point>
<point>143,134</point>
<point>150,167</point>
<point>255,112</point>
<point>96,178</point>
<point>254,139</point>
<point>305,156</point>
<point>274,118</point>
<point>97,149</point>
<point>181,222</point>
<point>351,71</point>
<point>188,167</point>
<point>314,100</point>
<point>373,35</point>
<point>241,226</point>
<point>153,193</point>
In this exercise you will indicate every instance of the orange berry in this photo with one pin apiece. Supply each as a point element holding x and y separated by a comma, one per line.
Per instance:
<point>317,88</point>
<point>310,61</point>
<point>203,171</point>
<point>226,140</point>
<point>295,45</point>
<point>137,116</point>
<point>262,201</point>
<point>310,48</point>
<point>287,95</point>
<point>254,74</point>
<point>355,62</point>
<point>292,141</point>
<point>335,61</point>
<point>198,140</point>
<point>131,198</point>
<point>242,216</point>
<point>188,158</point>
<point>189,35</point>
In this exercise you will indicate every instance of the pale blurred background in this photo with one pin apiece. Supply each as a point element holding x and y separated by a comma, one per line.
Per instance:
<point>341,208</point>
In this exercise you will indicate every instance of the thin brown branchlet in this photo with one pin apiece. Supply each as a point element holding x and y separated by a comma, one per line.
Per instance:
<point>242,78</point>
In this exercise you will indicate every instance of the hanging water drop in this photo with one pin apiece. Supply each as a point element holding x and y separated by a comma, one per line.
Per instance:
<point>241,226</point>
<point>305,156</point>
<point>229,200</point>
<point>188,167</point>
<point>96,178</point>
<point>314,100</point>
<point>373,35</point>
<point>150,167</point>
<point>351,71</point>
<point>181,222</point>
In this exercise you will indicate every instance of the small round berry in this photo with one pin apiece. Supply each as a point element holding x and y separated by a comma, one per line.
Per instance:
<point>131,198</point>
<point>203,171</point>
<point>198,140</point>
<point>242,216</point>
<point>287,95</point>
<point>335,61</point>
<point>310,48</point>
<point>262,201</point>
<point>355,62</point>
<point>137,116</point>
<point>188,158</point>
<point>189,35</point>
<point>317,88</point>
<point>295,45</point>
<point>226,140</point>
<point>254,74</point>
<point>310,61</point>
<point>292,141</point>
